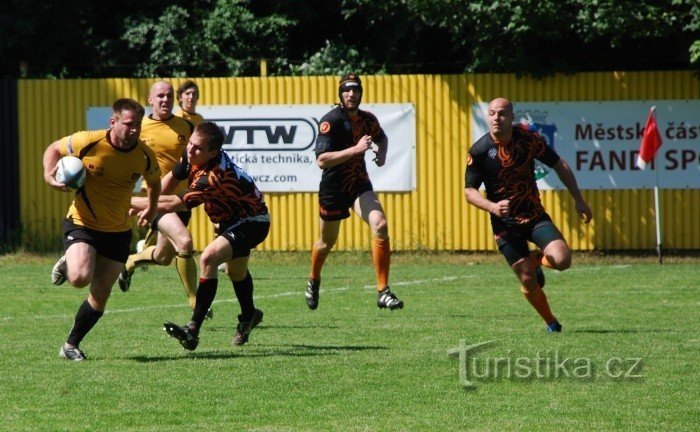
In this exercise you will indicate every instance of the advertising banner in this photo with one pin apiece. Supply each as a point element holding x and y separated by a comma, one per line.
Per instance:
<point>275,143</point>
<point>600,141</point>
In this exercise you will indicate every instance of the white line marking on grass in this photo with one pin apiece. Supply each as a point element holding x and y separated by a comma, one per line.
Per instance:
<point>282,294</point>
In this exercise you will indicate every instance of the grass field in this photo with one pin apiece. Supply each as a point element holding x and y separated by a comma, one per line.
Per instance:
<point>349,366</point>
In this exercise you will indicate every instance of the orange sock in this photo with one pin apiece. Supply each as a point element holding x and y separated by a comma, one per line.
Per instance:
<point>538,300</point>
<point>381,257</point>
<point>538,259</point>
<point>317,261</point>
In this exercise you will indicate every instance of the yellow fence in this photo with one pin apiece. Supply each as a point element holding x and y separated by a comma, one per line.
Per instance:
<point>433,217</point>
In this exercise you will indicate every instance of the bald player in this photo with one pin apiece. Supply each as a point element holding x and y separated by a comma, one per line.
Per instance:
<point>168,136</point>
<point>503,161</point>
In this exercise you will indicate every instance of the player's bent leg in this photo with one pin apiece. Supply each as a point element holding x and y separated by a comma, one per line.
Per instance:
<point>141,258</point>
<point>187,270</point>
<point>533,292</point>
<point>558,254</point>
<point>80,264</point>
<point>92,309</point>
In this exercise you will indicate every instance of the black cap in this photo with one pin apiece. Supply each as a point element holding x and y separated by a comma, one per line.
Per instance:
<point>348,81</point>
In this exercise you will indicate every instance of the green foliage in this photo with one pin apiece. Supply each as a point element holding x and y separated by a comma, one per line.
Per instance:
<point>225,40</point>
<point>84,38</point>
<point>333,59</point>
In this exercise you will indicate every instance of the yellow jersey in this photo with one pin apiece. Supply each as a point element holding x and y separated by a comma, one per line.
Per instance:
<point>103,202</point>
<point>194,118</point>
<point>168,139</point>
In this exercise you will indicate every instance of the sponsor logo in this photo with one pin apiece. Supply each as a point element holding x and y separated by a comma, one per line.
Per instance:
<point>325,127</point>
<point>268,134</point>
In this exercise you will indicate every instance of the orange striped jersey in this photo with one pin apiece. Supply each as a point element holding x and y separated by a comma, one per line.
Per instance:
<point>194,118</point>
<point>168,139</point>
<point>103,201</point>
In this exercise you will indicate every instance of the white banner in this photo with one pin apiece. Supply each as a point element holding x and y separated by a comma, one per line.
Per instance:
<point>275,143</point>
<point>600,141</point>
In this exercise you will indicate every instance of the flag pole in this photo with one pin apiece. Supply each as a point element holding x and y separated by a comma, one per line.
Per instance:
<point>657,214</point>
<point>651,141</point>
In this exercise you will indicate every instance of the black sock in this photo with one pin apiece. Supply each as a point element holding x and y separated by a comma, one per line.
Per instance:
<point>206,291</point>
<point>85,320</point>
<point>244,294</point>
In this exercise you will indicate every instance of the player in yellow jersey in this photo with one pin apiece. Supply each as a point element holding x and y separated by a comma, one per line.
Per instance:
<point>96,231</point>
<point>167,135</point>
<point>187,98</point>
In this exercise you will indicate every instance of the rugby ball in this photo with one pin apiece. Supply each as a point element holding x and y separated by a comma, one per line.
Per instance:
<point>71,172</point>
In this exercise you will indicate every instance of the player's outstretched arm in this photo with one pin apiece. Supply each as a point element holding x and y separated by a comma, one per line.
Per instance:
<point>566,175</point>
<point>166,204</point>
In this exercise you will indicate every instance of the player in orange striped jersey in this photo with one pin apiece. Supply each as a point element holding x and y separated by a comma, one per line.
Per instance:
<point>503,160</point>
<point>345,135</point>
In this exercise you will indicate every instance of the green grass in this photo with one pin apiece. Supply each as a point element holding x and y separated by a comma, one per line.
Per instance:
<point>349,366</point>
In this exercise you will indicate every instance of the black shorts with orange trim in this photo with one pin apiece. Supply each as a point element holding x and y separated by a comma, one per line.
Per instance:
<point>111,245</point>
<point>336,206</point>
<point>512,239</point>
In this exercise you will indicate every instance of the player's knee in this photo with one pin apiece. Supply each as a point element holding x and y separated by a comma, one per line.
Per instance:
<point>560,263</point>
<point>236,274</point>
<point>380,229</point>
<point>80,279</point>
<point>184,243</point>
<point>528,280</point>
<point>325,245</point>
<point>208,259</point>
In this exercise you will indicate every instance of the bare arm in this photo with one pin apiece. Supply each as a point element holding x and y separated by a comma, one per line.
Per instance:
<point>168,183</point>
<point>475,198</point>
<point>381,150</point>
<point>50,161</point>
<point>152,194</point>
<point>166,203</point>
<point>566,175</point>
<point>331,159</point>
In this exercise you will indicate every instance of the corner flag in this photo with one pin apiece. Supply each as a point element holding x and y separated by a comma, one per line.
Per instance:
<point>651,141</point>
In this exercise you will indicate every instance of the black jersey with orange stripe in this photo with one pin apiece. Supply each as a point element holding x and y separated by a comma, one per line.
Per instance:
<point>507,172</point>
<point>337,131</point>
<point>228,193</point>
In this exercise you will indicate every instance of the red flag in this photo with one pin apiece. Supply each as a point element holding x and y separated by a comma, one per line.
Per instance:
<point>651,141</point>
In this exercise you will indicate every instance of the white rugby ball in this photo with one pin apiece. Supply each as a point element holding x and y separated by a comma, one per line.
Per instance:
<point>71,172</point>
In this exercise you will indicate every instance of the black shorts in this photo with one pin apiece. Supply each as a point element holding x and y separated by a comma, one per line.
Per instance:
<point>336,206</point>
<point>111,245</point>
<point>184,215</point>
<point>512,239</point>
<point>245,235</point>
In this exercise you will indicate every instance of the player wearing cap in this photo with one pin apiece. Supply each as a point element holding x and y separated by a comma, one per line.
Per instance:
<point>345,134</point>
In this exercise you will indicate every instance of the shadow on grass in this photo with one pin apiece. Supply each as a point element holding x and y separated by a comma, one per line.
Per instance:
<point>623,331</point>
<point>262,351</point>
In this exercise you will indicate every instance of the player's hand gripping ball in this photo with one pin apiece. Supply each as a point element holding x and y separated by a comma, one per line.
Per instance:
<point>71,172</point>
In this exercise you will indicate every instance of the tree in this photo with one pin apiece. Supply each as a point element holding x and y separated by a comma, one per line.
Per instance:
<point>81,38</point>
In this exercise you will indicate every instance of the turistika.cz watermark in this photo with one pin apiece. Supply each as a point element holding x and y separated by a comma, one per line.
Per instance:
<point>550,365</point>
